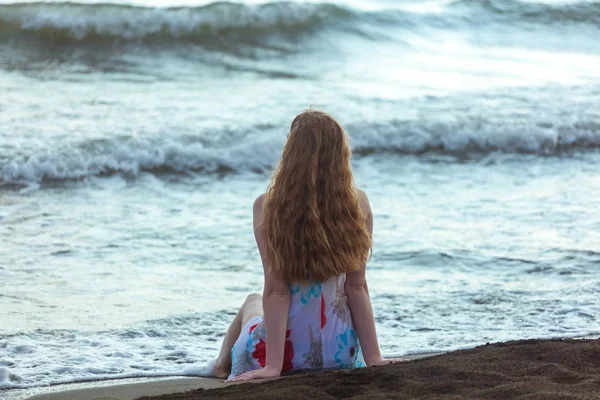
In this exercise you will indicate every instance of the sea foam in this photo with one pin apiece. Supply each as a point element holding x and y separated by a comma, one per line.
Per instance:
<point>80,22</point>
<point>130,156</point>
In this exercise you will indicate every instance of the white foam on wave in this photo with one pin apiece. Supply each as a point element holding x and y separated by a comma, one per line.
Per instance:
<point>115,357</point>
<point>134,22</point>
<point>259,153</point>
<point>4,378</point>
<point>131,22</point>
<point>109,355</point>
<point>583,334</point>
<point>204,370</point>
<point>135,156</point>
<point>417,137</point>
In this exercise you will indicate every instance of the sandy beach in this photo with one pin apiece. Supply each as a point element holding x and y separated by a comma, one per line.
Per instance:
<point>527,369</point>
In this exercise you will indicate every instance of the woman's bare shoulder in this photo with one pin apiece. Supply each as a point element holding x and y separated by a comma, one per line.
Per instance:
<point>258,202</point>
<point>363,199</point>
<point>362,194</point>
<point>258,209</point>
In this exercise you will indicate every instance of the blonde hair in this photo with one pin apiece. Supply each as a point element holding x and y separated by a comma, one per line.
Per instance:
<point>313,223</point>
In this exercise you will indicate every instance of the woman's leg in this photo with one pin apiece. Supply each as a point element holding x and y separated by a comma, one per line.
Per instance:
<point>252,307</point>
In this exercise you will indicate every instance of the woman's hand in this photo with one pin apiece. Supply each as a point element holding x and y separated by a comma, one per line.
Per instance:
<point>386,361</point>
<point>266,372</point>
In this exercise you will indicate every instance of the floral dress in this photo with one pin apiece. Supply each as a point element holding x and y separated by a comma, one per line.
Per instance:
<point>320,334</point>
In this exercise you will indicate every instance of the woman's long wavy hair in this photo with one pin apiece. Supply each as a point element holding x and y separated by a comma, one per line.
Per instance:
<point>312,220</point>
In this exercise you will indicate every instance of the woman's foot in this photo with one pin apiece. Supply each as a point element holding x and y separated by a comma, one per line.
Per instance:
<point>221,370</point>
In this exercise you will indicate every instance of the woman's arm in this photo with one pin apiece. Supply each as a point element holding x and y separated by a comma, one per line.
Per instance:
<point>357,293</point>
<point>276,304</point>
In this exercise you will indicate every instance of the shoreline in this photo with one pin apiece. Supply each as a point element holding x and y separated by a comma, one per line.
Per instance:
<point>530,363</point>
<point>128,388</point>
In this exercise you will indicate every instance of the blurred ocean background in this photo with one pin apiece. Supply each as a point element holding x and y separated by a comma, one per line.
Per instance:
<point>134,138</point>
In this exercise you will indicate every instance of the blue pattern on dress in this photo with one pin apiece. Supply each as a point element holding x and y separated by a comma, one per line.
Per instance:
<point>314,290</point>
<point>360,361</point>
<point>348,349</point>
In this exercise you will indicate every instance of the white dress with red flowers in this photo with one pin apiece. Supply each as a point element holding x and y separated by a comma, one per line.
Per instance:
<point>320,334</point>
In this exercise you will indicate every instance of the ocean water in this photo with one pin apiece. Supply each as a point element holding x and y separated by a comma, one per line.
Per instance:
<point>134,138</point>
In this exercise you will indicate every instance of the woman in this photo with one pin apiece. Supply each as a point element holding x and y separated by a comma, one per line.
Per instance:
<point>313,229</point>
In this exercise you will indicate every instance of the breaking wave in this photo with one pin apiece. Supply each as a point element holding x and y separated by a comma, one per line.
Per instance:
<point>93,23</point>
<point>131,156</point>
<point>69,23</point>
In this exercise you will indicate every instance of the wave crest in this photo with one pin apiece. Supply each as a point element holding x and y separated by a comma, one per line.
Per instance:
<point>254,154</point>
<point>531,12</point>
<point>69,23</point>
<point>410,137</point>
<point>132,157</point>
<point>73,22</point>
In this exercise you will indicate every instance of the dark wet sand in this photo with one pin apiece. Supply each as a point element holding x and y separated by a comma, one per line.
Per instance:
<point>527,370</point>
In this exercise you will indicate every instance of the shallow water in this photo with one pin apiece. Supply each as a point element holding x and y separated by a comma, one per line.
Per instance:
<point>129,161</point>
